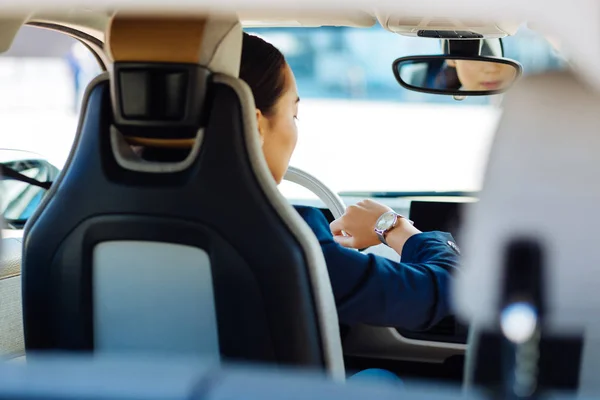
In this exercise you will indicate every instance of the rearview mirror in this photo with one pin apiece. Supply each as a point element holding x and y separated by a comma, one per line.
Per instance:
<point>456,75</point>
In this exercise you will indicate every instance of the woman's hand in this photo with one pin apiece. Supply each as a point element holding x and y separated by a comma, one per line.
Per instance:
<point>356,228</point>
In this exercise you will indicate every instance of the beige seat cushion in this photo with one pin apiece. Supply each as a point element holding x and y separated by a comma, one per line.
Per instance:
<point>12,343</point>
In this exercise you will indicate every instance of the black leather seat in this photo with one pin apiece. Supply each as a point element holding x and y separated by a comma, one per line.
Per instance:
<point>197,255</point>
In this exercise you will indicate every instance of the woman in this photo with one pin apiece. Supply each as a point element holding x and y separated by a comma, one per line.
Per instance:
<point>483,76</point>
<point>368,289</point>
<point>475,75</point>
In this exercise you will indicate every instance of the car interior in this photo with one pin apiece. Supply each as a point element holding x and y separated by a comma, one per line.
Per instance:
<point>141,262</point>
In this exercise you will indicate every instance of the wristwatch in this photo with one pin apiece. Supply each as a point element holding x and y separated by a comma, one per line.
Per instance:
<point>386,222</point>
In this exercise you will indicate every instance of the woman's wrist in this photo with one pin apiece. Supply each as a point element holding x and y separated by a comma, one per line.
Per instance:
<point>397,237</point>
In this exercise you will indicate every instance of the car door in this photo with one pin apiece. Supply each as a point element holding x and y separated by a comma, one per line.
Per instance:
<point>42,78</point>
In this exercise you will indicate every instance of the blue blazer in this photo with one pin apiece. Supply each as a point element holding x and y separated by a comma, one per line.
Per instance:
<point>413,294</point>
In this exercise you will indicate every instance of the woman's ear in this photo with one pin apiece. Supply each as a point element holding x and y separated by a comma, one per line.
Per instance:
<point>261,124</point>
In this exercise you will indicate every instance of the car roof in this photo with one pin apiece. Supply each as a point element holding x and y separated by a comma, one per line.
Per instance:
<point>569,22</point>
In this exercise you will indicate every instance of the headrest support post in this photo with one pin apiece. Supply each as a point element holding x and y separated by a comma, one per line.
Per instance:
<point>467,48</point>
<point>522,308</point>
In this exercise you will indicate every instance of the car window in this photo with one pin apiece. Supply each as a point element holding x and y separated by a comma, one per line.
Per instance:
<point>42,80</point>
<point>20,199</point>
<point>359,131</point>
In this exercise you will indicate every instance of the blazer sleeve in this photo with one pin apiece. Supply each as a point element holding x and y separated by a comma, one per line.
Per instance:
<point>412,294</point>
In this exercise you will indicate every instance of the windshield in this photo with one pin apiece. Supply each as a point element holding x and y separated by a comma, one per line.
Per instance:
<point>359,131</point>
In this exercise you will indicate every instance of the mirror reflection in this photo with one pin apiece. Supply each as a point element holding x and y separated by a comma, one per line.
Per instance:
<point>445,75</point>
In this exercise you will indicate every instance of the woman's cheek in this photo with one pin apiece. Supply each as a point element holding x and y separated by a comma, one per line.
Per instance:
<point>286,146</point>
<point>295,134</point>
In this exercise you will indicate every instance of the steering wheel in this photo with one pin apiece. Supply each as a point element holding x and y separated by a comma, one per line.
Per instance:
<point>334,203</point>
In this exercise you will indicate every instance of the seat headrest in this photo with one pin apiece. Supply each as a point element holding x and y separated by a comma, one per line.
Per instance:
<point>214,42</point>
<point>540,186</point>
<point>162,70</point>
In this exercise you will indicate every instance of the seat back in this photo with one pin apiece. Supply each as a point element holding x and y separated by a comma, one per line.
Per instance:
<point>539,196</point>
<point>192,249</point>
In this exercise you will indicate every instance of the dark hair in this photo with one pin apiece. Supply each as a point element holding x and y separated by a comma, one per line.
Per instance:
<point>447,78</point>
<point>262,68</point>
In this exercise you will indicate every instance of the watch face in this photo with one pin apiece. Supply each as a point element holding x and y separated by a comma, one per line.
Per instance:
<point>385,221</point>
